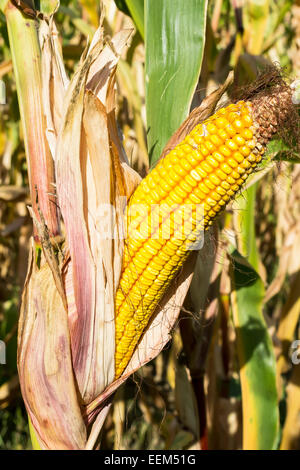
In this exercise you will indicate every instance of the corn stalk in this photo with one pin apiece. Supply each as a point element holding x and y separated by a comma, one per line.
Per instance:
<point>26,59</point>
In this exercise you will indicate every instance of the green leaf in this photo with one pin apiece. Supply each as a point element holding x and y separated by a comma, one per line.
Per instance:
<point>49,7</point>
<point>254,346</point>
<point>185,400</point>
<point>3,5</point>
<point>275,146</point>
<point>135,9</point>
<point>34,440</point>
<point>174,38</point>
<point>258,12</point>
<point>121,4</point>
<point>278,150</point>
<point>182,440</point>
<point>85,28</point>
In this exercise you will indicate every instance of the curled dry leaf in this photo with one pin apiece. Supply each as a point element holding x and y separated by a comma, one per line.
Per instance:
<point>55,81</point>
<point>45,365</point>
<point>92,194</point>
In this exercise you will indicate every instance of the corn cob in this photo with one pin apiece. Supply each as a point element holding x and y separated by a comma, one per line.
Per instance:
<point>207,168</point>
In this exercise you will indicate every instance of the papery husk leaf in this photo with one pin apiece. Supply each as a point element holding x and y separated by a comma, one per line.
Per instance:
<point>102,244</point>
<point>127,178</point>
<point>55,81</point>
<point>155,338</point>
<point>97,426</point>
<point>44,363</point>
<point>90,175</point>
<point>76,191</point>
<point>69,153</point>
<point>49,253</point>
<point>102,68</point>
<point>159,330</point>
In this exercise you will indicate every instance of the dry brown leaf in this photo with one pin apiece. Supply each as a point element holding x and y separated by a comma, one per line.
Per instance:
<point>45,366</point>
<point>55,81</point>
<point>291,430</point>
<point>8,391</point>
<point>5,67</point>
<point>9,193</point>
<point>92,183</point>
<point>102,68</point>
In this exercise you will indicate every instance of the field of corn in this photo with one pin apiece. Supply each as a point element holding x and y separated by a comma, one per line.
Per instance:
<point>146,341</point>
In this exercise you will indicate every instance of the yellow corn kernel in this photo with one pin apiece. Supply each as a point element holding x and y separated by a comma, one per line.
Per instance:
<point>245,150</point>
<point>239,140</point>
<point>193,158</point>
<point>180,170</point>
<point>185,186</point>
<point>215,196</point>
<point>226,168</point>
<point>231,145</point>
<point>238,124</point>
<point>211,128</point>
<point>215,139</point>
<point>212,161</point>
<point>238,157</point>
<point>221,174</point>
<point>247,121</point>
<point>223,134</point>
<point>210,147</point>
<point>214,179</point>
<point>230,130</point>
<point>232,162</point>
<point>185,164</point>
<point>235,175</point>
<point>196,175</point>
<point>209,184</point>
<point>247,134</point>
<point>190,181</point>
<point>219,157</point>
<point>221,122</point>
<point>224,150</point>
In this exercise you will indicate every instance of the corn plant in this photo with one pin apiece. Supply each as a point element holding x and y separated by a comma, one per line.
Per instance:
<point>114,258</point>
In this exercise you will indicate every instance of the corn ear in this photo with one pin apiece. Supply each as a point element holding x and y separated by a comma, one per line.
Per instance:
<point>206,169</point>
